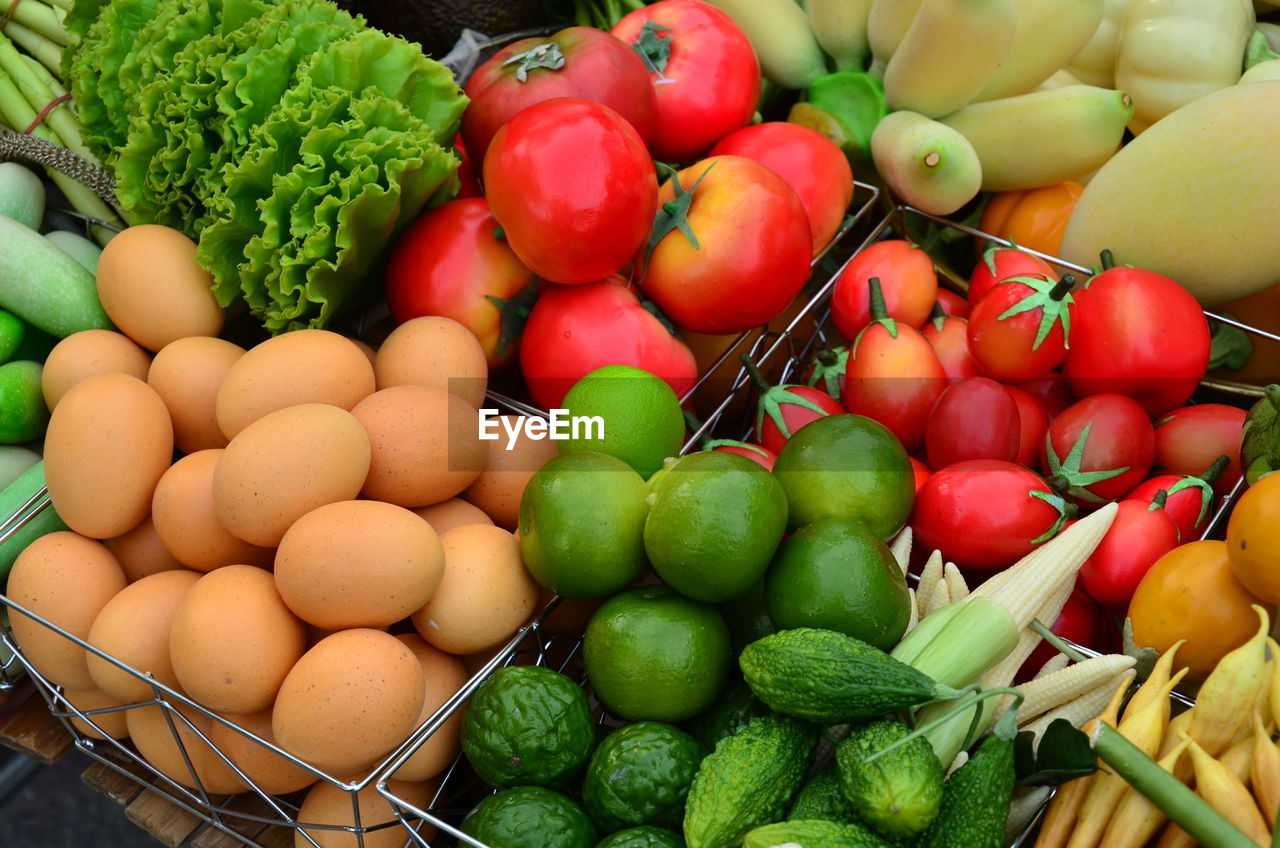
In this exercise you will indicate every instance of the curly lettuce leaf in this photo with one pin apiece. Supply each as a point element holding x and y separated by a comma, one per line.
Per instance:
<point>94,71</point>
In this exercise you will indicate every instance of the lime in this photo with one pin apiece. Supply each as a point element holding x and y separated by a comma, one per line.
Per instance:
<point>715,520</point>
<point>528,725</point>
<point>653,655</point>
<point>582,525</point>
<point>838,575</point>
<point>529,817</point>
<point>23,414</point>
<point>642,837</point>
<point>726,716</point>
<point>847,466</point>
<point>748,618</point>
<point>640,775</point>
<point>641,415</point>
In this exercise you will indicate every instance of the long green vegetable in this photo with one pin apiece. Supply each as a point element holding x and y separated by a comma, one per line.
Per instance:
<point>38,17</point>
<point>48,52</point>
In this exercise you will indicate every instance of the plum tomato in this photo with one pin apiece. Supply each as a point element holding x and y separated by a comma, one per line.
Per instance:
<point>906,276</point>
<point>975,418</point>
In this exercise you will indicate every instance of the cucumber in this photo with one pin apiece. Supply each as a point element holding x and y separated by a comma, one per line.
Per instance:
<point>12,499</point>
<point>21,195</point>
<point>831,678</point>
<point>44,286</point>
<point>14,459</point>
<point>977,797</point>
<point>77,247</point>
<point>822,798</point>
<point>899,794</point>
<point>813,833</point>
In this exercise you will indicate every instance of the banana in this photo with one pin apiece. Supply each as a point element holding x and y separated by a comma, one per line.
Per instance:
<point>887,22</point>
<point>927,164</point>
<point>783,40</point>
<point>841,29</point>
<point>1044,137</point>
<point>1048,34</point>
<point>949,54</point>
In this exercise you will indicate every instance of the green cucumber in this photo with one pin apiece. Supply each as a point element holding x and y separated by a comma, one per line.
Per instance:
<point>77,247</point>
<point>899,794</point>
<point>813,833</point>
<point>44,286</point>
<point>12,499</point>
<point>822,798</point>
<point>21,195</point>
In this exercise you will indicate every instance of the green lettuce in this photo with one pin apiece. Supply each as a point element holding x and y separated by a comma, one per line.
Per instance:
<point>95,68</point>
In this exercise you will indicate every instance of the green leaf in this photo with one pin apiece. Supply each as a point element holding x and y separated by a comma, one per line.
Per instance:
<point>1230,347</point>
<point>1144,658</point>
<point>545,55</point>
<point>1064,754</point>
<point>674,214</point>
<point>1068,470</point>
<point>1052,310</point>
<point>653,49</point>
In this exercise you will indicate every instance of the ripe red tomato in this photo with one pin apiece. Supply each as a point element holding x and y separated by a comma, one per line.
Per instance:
<point>468,179</point>
<point>575,62</point>
<point>705,76</point>
<point>1188,500</point>
<point>921,472</point>
<point>906,276</point>
<point>952,304</point>
<point>828,371</point>
<point>1099,449</point>
<point>984,514</point>
<point>1053,392</point>
<point>573,330</point>
<point>1188,440</point>
<point>1138,333</point>
<point>809,162</point>
<point>1000,263</point>
<point>1018,329</point>
<point>755,453</point>
<point>975,418</point>
<point>785,409</point>
<point>449,262</point>
<point>950,339</point>
<point>1080,621</point>
<point>742,255</point>
<point>1033,421</point>
<point>1139,535</point>
<point>573,188</point>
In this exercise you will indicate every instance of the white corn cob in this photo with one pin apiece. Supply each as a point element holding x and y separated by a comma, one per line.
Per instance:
<point>957,588</point>
<point>930,577</point>
<point>900,547</point>
<point>939,599</point>
<point>915,612</point>
<point>1055,663</point>
<point>1088,706</point>
<point>961,759</point>
<point>1053,690</point>
<point>1025,803</point>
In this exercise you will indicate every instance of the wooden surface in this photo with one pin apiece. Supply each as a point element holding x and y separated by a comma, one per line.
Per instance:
<point>161,818</point>
<point>30,729</point>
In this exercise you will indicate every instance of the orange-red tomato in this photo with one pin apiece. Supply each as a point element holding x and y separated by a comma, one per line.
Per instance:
<point>950,339</point>
<point>1035,218</point>
<point>1252,541</point>
<point>906,277</point>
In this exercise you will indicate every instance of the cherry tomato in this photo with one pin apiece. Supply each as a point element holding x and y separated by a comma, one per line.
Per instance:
<point>921,472</point>
<point>1033,421</point>
<point>1188,500</point>
<point>704,74</point>
<point>949,337</point>
<point>1138,333</point>
<point>975,418</point>
<point>755,453</point>
<point>985,514</point>
<point>828,371</point>
<point>952,304</point>
<point>809,162</point>
<point>573,330</point>
<point>742,254</point>
<point>1189,439</point>
<point>1052,390</point>
<point>1140,534</point>
<point>785,409</point>
<point>449,262</point>
<point>1099,449</point>
<point>574,62</point>
<point>1018,329</point>
<point>906,276</point>
<point>1080,621</point>
<point>573,188</point>
<point>1000,263</point>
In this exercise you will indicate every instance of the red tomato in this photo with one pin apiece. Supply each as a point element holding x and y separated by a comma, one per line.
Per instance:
<point>749,253</point>
<point>468,179</point>
<point>1080,621</point>
<point>574,189</point>
<point>1138,333</point>
<point>921,472</point>
<point>1139,535</point>
<point>974,418</point>
<point>705,76</point>
<point>573,330</point>
<point>950,340</point>
<point>1033,421</point>
<point>906,276</point>
<point>984,514</point>
<point>1053,392</point>
<point>1187,500</point>
<point>999,263</point>
<point>952,304</point>
<point>1017,330</point>
<point>1099,449</point>
<point>809,162</point>
<point>755,453</point>
<point>448,262</point>
<point>1188,440</point>
<point>785,409</point>
<point>828,371</point>
<point>575,62</point>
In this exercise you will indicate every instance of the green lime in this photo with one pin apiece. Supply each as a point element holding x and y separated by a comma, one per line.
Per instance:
<point>748,618</point>
<point>528,725</point>
<point>529,817</point>
<point>23,414</point>
<point>715,520</point>
<point>642,837</point>
<point>838,575</point>
<point>12,331</point>
<point>641,416</point>
<point>847,466</point>
<point>726,716</point>
<point>640,775</point>
<point>582,525</point>
<point>653,655</point>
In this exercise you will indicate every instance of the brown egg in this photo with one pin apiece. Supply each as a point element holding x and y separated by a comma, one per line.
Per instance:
<point>112,724</point>
<point>358,564</point>
<point>233,640</point>
<point>67,580</point>
<point>326,804</point>
<point>349,701</point>
<point>149,728</point>
<point>426,445</point>
<point>86,354</point>
<point>183,512</point>
<point>285,465</point>
<point>153,289</point>
<point>507,472</point>
<point>486,594</point>
<point>187,374</point>
<point>140,552</point>
<point>452,513</point>
<point>365,348</point>
<point>269,771</point>
<point>305,366</point>
<point>134,628</point>
<point>436,352</point>
<point>444,675</point>
<point>107,444</point>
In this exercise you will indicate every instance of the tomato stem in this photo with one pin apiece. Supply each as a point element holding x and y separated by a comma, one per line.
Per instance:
<point>653,49</point>
<point>1059,291</point>
<point>828,357</point>
<point>1159,501</point>
<point>936,312</point>
<point>753,371</point>
<point>1214,471</point>
<point>878,310</point>
<point>1108,260</point>
<point>546,55</point>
